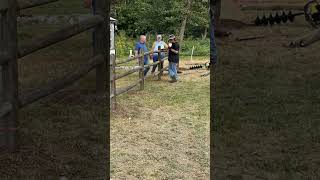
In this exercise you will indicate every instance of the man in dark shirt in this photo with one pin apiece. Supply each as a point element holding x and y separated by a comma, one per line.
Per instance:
<point>173,58</point>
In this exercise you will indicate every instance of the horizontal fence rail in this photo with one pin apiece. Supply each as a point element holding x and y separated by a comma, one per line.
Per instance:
<point>131,71</point>
<point>137,57</point>
<point>126,89</point>
<point>127,73</point>
<point>25,4</point>
<point>163,69</point>
<point>135,69</point>
<point>59,84</point>
<point>11,51</point>
<point>66,32</point>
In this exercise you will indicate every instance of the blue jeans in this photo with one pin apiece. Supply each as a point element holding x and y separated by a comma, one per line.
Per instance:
<point>146,69</point>
<point>173,70</point>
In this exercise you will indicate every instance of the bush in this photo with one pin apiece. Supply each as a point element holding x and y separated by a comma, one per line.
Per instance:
<point>123,44</point>
<point>201,47</point>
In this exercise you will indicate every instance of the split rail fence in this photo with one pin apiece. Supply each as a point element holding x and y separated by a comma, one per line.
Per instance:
<point>114,77</point>
<point>11,51</point>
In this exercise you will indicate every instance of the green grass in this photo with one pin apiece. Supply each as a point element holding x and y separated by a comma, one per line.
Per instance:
<point>163,131</point>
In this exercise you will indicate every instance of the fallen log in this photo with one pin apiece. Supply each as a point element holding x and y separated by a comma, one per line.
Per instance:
<point>250,38</point>
<point>232,24</point>
<point>306,40</point>
<point>273,7</point>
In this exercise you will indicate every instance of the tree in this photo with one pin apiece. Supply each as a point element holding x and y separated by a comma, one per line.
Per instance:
<point>185,18</point>
<point>161,16</point>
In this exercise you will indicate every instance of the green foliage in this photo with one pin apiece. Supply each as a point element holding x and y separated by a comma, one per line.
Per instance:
<point>124,43</point>
<point>162,16</point>
<point>201,47</point>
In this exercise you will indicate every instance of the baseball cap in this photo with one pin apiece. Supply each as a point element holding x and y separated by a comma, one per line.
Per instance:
<point>159,36</point>
<point>172,36</point>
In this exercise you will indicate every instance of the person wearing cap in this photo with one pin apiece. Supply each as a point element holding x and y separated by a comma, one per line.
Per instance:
<point>155,46</point>
<point>141,46</point>
<point>173,57</point>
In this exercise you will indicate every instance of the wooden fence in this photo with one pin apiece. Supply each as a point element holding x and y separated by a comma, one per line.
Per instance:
<point>114,77</point>
<point>11,51</point>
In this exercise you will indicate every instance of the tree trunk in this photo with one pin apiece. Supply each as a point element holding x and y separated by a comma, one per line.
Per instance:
<point>184,22</point>
<point>204,36</point>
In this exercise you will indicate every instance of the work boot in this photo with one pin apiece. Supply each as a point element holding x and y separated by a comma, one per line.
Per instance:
<point>173,80</point>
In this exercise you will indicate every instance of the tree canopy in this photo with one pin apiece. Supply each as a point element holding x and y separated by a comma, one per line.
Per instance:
<point>163,16</point>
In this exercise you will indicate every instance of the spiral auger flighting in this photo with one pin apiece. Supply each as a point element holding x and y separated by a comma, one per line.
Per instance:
<point>205,65</point>
<point>196,67</point>
<point>277,18</point>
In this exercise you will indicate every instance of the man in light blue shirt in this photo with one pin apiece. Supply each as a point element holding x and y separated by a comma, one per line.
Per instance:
<point>141,46</point>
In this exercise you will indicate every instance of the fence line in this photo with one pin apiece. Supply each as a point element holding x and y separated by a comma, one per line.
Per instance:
<point>140,69</point>
<point>10,51</point>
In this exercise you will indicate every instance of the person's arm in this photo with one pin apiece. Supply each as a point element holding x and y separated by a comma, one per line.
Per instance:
<point>176,51</point>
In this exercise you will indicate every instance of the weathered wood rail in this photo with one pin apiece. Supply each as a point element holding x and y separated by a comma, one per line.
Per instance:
<point>11,50</point>
<point>140,69</point>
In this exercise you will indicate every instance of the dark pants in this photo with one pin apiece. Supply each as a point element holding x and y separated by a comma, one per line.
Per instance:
<point>155,59</point>
<point>145,72</point>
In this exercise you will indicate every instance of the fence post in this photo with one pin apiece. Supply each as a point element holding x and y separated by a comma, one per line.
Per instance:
<point>101,39</point>
<point>113,81</point>
<point>141,72</point>
<point>9,74</point>
<point>160,65</point>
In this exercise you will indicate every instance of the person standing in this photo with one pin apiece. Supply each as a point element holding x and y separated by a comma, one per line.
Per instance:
<point>141,46</point>
<point>155,57</point>
<point>173,58</point>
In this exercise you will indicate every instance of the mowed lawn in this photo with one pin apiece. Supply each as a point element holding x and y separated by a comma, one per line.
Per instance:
<point>267,102</point>
<point>162,132</point>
